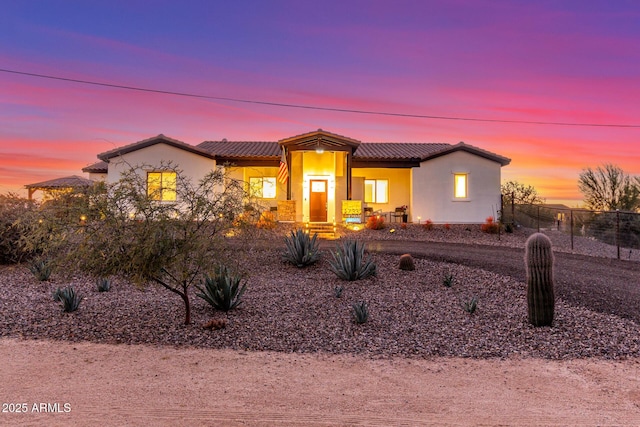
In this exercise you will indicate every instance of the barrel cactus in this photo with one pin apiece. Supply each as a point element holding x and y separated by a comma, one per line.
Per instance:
<point>539,265</point>
<point>406,262</point>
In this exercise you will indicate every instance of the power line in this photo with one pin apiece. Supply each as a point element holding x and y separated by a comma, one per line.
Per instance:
<point>312,107</point>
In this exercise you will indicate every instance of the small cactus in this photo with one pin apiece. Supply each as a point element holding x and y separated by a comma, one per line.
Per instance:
<point>539,265</point>
<point>406,262</point>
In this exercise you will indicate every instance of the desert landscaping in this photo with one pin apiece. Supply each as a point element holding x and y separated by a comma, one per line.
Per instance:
<point>292,354</point>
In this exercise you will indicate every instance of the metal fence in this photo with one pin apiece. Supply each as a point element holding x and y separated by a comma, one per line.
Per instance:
<point>618,228</point>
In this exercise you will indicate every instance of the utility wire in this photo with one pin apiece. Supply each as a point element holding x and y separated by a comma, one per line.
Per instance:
<point>312,107</point>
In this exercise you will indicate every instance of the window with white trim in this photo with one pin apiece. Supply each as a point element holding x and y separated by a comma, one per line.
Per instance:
<point>161,186</point>
<point>376,191</point>
<point>263,187</point>
<point>460,189</point>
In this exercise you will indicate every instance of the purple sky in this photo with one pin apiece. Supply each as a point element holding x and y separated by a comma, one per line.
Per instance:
<point>542,61</point>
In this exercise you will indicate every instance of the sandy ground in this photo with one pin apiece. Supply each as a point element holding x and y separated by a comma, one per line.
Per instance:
<point>99,384</point>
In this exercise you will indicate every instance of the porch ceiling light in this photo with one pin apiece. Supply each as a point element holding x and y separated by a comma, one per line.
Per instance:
<point>319,149</point>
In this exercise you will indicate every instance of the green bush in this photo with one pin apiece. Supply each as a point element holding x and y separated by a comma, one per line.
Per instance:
<point>302,250</point>
<point>69,299</point>
<point>41,269</point>
<point>349,261</point>
<point>13,212</point>
<point>222,290</point>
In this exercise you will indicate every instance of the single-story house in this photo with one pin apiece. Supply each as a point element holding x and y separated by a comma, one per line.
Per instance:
<point>324,177</point>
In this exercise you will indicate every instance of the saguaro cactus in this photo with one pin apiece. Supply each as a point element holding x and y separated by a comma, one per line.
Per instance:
<point>539,264</point>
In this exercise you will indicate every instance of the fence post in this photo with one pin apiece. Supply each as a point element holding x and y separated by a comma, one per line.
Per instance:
<point>513,209</point>
<point>571,220</point>
<point>618,231</point>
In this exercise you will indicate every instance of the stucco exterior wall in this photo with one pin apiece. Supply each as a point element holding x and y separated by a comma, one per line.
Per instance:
<point>194,166</point>
<point>399,186</point>
<point>433,197</point>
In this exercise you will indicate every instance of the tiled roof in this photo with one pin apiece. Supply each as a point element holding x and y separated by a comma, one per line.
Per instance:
<point>266,149</point>
<point>271,150</point>
<point>100,167</point>
<point>73,181</point>
<point>397,150</point>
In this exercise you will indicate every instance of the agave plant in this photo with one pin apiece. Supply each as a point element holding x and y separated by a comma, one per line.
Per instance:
<point>69,299</point>
<point>470,305</point>
<point>222,290</point>
<point>41,269</point>
<point>360,312</point>
<point>103,284</point>
<point>350,263</point>
<point>302,250</point>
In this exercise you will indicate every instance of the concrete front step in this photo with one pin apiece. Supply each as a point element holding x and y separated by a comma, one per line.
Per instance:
<point>324,231</point>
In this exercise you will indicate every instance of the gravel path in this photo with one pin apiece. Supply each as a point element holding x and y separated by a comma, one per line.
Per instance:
<point>412,314</point>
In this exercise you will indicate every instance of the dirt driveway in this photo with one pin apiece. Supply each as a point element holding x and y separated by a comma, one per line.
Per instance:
<point>138,385</point>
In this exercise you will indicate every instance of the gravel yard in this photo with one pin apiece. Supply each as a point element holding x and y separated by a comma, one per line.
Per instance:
<point>285,309</point>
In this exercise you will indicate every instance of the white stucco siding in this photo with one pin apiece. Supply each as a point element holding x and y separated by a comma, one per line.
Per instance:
<point>433,189</point>
<point>193,166</point>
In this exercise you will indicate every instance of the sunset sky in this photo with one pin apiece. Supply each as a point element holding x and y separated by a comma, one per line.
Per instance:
<point>535,61</point>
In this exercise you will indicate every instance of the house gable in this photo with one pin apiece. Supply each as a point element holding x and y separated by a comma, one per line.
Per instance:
<point>320,140</point>
<point>159,139</point>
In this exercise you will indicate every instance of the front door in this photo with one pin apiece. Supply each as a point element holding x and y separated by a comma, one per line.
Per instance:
<point>318,201</point>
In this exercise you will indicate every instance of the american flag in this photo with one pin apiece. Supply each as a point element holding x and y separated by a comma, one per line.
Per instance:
<point>283,172</point>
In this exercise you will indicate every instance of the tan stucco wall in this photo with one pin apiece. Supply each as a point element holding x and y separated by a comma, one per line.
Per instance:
<point>399,186</point>
<point>433,189</point>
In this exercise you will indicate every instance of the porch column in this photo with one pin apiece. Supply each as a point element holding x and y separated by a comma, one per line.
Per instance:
<point>288,154</point>
<point>348,175</point>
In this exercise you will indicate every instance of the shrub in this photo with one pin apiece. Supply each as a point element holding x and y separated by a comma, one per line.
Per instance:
<point>301,250</point>
<point>406,262</point>
<point>222,290</point>
<point>266,221</point>
<point>470,305</point>
<point>375,222</point>
<point>428,225</point>
<point>447,280</point>
<point>14,211</point>
<point>539,267</point>
<point>403,226</point>
<point>360,312</point>
<point>41,269</point>
<point>349,261</point>
<point>490,226</point>
<point>69,299</point>
<point>447,226</point>
<point>508,228</point>
<point>103,284</point>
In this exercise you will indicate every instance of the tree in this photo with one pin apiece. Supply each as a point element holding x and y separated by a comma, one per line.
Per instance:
<point>172,244</point>
<point>513,191</point>
<point>608,187</point>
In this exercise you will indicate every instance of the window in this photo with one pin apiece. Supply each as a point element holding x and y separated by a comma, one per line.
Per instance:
<point>263,187</point>
<point>161,186</point>
<point>460,186</point>
<point>376,191</point>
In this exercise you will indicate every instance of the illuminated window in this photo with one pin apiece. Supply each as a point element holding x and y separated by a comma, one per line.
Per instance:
<point>263,187</point>
<point>460,186</point>
<point>161,186</point>
<point>376,190</point>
